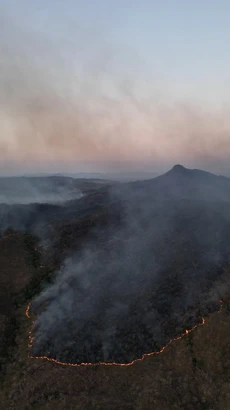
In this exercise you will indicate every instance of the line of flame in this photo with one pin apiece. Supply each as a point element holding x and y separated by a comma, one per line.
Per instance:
<point>31,339</point>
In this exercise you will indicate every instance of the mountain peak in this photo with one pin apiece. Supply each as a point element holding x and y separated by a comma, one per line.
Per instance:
<point>178,168</point>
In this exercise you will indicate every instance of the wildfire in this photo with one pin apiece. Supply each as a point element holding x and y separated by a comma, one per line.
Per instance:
<point>31,339</point>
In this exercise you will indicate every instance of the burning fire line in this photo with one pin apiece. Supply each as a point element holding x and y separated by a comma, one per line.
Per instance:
<point>31,339</point>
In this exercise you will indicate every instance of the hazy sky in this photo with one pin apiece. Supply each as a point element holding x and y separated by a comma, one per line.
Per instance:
<point>132,85</point>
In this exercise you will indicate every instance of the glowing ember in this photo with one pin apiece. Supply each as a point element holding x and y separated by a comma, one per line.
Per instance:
<point>8,236</point>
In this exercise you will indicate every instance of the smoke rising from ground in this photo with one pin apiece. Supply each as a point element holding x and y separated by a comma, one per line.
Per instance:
<point>138,284</point>
<point>28,204</point>
<point>93,295</point>
<point>37,190</point>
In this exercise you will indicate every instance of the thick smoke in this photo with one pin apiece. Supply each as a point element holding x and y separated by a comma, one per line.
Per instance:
<point>93,296</point>
<point>137,284</point>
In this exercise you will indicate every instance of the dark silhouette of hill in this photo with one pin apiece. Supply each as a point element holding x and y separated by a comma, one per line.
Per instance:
<point>181,182</point>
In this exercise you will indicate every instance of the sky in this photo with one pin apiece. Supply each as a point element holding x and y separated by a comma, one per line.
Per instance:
<point>114,86</point>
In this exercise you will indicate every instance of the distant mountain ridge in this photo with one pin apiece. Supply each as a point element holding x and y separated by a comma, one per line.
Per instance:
<point>178,184</point>
<point>94,176</point>
<point>186,183</point>
<point>181,170</point>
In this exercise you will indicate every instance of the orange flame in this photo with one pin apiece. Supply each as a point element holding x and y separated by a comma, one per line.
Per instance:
<point>31,339</point>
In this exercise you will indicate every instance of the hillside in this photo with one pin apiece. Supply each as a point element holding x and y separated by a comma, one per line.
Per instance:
<point>121,271</point>
<point>181,182</point>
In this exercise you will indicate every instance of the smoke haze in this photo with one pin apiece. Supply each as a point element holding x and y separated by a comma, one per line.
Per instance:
<point>66,104</point>
<point>142,281</point>
<point>37,190</point>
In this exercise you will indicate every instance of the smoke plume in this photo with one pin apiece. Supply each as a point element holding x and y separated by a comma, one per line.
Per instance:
<point>138,284</point>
